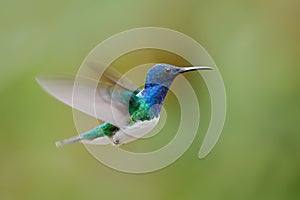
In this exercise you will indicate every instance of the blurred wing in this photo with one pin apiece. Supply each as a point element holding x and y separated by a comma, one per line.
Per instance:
<point>100,100</point>
<point>113,75</point>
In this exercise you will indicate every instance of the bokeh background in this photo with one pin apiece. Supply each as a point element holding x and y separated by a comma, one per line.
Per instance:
<point>256,46</point>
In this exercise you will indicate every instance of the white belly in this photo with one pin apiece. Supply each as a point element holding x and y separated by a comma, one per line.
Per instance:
<point>136,131</point>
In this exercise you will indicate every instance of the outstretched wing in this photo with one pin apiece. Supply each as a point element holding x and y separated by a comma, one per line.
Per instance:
<point>101,100</point>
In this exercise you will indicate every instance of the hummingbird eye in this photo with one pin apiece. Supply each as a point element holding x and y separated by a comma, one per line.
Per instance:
<point>168,70</point>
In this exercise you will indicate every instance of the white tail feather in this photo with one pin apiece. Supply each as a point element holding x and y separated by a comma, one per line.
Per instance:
<point>68,141</point>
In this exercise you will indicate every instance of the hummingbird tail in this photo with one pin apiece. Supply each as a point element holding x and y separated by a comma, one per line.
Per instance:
<point>87,136</point>
<point>68,141</point>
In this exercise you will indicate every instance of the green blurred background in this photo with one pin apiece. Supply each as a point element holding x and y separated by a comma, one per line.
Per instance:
<point>256,46</point>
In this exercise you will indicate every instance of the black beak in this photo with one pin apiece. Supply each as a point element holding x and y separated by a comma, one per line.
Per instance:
<point>187,69</point>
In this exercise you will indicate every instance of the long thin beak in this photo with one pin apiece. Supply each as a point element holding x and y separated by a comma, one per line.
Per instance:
<point>186,69</point>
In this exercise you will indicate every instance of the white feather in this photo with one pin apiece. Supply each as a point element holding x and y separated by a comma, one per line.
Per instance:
<point>98,141</point>
<point>134,132</point>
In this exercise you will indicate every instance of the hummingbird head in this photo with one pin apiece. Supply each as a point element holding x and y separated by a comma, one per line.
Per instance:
<point>164,74</point>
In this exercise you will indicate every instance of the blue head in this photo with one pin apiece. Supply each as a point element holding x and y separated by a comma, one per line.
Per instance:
<point>164,74</point>
<point>159,79</point>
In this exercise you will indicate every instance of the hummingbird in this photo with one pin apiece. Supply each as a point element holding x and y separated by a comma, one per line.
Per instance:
<point>128,113</point>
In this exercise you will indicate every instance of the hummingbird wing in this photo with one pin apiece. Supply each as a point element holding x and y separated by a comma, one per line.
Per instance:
<point>113,75</point>
<point>101,100</point>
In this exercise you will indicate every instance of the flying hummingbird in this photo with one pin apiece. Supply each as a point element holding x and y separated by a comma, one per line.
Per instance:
<point>128,113</point>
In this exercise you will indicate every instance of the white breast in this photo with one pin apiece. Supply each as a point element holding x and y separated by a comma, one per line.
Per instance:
<point>133,132</point>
